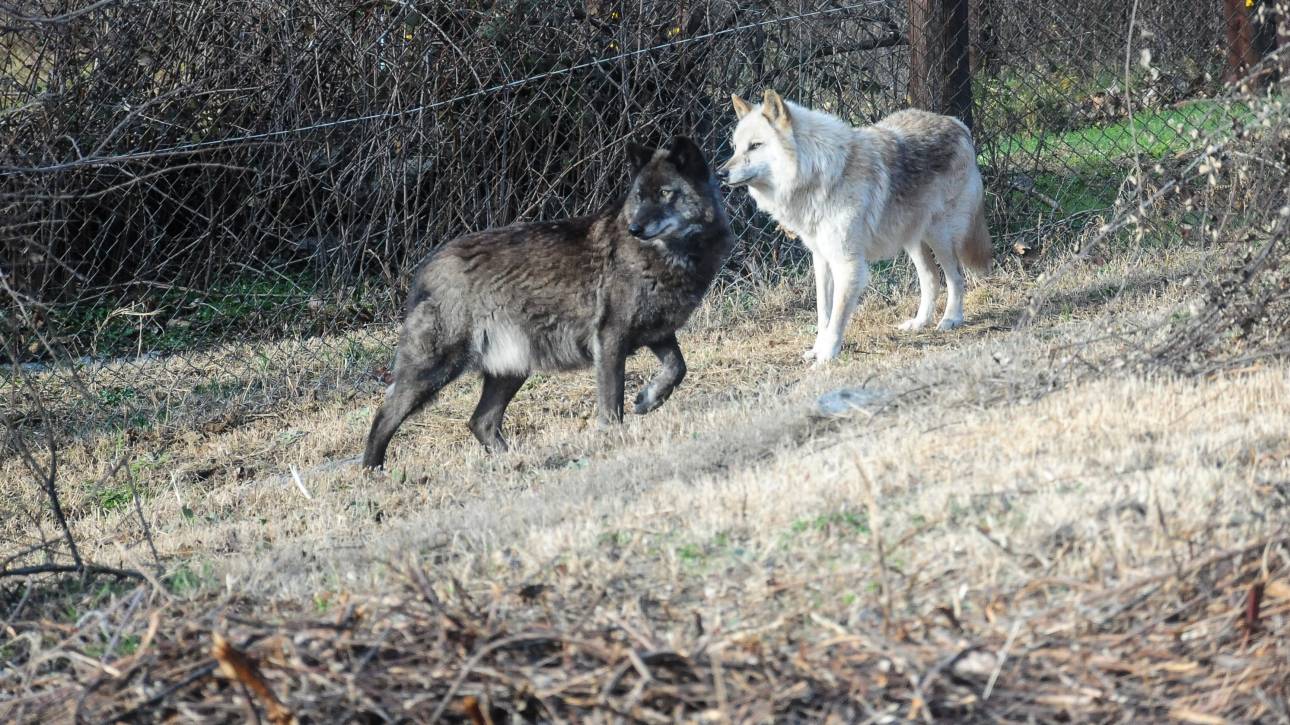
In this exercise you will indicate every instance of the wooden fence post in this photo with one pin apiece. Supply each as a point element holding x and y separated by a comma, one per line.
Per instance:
<point>1240,40</point>
<point>940,76</point>
<point>1281,18</point>
<point>922,53</point>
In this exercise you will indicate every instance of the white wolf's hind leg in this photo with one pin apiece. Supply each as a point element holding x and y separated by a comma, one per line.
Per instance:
<point>823,301</point>
<point>849,279</point>
<point>928,286</point>
<point>949,262</point>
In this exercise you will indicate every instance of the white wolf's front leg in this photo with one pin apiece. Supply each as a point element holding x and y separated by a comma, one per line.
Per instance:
<point>928,286</point>
<point>823,301</point>
<point>850,277</point>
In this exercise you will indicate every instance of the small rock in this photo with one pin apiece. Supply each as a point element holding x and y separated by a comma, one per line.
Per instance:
<point>844,402</point>
<point>976,663</point>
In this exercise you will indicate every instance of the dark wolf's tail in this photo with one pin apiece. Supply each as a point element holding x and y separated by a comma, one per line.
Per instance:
<point>977,252</point>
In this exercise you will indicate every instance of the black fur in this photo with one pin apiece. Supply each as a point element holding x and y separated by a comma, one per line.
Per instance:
<point>566,294</point>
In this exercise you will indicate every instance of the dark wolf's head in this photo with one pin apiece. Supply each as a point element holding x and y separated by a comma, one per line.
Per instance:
<point>673,195</point>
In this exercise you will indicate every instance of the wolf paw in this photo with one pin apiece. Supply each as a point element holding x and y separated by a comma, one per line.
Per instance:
<point>827,349</point>
<point>912,324</point>
<point>646,403</point>
<point>604,423</point>
<point>809,354</point>
<point>822,359</point>
<point>949,324</point>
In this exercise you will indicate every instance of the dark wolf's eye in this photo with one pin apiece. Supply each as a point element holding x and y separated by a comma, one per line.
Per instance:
<point>666,194</point>
<point>754,145</point>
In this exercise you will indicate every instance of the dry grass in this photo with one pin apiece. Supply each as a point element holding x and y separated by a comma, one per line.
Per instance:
<point>1003,499</point>
<point>228,461</point>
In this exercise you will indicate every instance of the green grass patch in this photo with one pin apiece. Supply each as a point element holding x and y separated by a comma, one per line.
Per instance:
<point>845,523</point>
<point>1155,133</point>
<point>108,498</point>
<point>125,646</point>
<point>114,395</point>
<point>722,544</point>
<point>1077,165</point>
<point>690,553</point>
<point>113,495</point>
<point>185,580</point>
<point>67,599</point>
<point>1076,195</point>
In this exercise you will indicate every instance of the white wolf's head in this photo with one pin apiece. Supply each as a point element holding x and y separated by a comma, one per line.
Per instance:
<point>764,148</point>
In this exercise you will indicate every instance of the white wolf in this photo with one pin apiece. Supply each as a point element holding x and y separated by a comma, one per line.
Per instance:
<point>857,195</point>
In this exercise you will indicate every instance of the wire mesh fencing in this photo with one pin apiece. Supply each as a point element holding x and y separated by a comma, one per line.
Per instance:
<point>207,197</point>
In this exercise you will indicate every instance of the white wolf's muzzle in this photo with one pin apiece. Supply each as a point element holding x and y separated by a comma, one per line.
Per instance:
<point>740,175</point>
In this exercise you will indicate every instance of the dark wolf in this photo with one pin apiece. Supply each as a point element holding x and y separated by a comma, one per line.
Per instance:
<point>564,295</point>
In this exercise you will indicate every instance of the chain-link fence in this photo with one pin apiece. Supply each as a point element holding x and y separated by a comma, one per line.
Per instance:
<point>241,188</point>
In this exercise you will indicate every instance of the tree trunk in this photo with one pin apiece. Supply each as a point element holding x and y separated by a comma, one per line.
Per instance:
<point>957,65</point>
<point>923,55</point>
<point>940,76</point>
<point>1281,14</point>
<point>1240,41</point>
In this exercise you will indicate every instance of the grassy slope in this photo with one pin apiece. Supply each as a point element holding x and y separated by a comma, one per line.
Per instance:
<point>999,473</point>
<point>736,441</point>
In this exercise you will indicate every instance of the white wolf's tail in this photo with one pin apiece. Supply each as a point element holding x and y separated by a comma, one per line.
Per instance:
<point>975,251</point>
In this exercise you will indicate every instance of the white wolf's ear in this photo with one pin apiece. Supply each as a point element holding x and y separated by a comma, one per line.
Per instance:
<point>638,156</point>
<point>773,108</point>
<point>742,107</point>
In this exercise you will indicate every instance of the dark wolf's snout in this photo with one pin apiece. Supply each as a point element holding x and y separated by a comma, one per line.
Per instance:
<point>646,223</point>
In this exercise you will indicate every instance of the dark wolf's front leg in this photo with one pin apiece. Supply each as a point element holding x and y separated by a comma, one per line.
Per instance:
<point>611,368</point>
<point>666,379</point>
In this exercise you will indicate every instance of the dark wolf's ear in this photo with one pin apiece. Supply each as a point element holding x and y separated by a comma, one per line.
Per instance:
<point>638,156</point>
<point>773,108</point>
<point>687,158</point>
<point>742,107</point>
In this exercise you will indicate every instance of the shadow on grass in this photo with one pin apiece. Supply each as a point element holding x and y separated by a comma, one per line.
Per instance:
<point>1085,300</point>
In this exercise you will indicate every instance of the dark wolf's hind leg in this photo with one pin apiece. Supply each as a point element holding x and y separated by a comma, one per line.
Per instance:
<point>486,423</point>
<point>415,384</point>
<point>666,379</point>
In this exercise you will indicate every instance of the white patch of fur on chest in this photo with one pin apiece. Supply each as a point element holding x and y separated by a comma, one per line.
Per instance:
<point>504,348</point>
<point>670,257</point>
<point>794,218</point>
<point>764,201</point>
